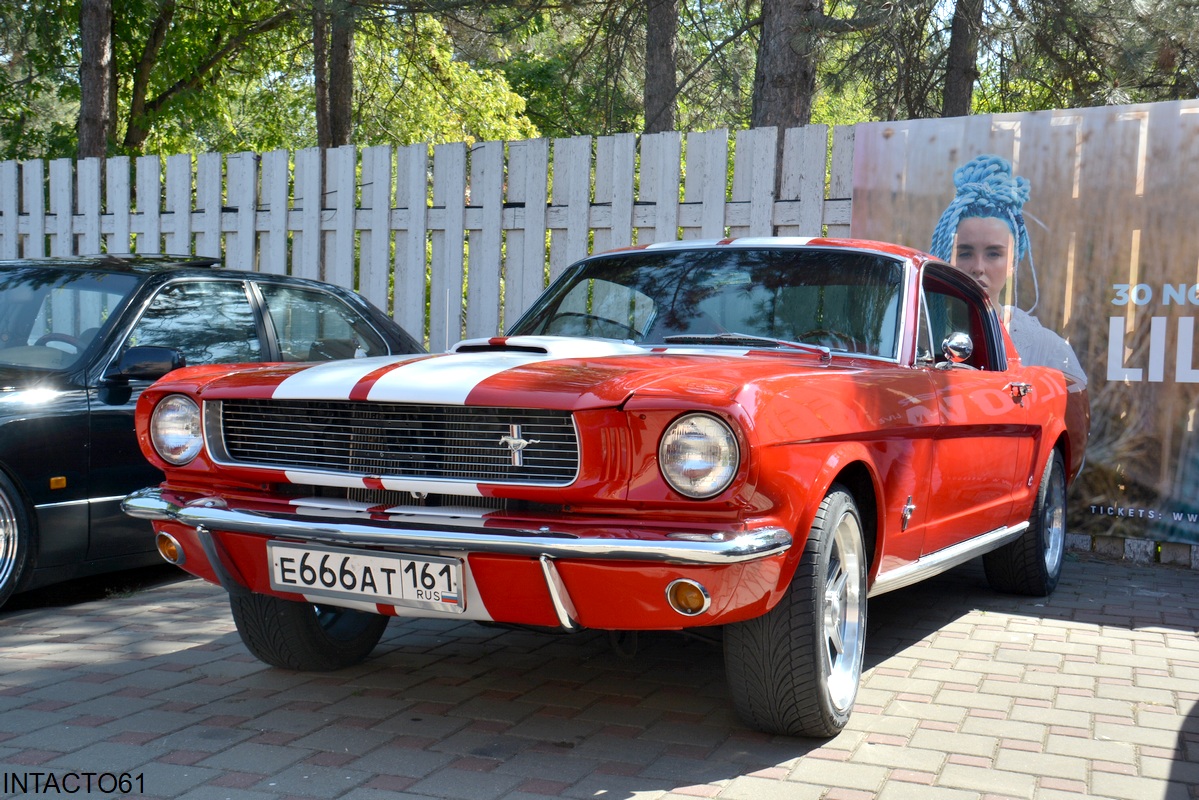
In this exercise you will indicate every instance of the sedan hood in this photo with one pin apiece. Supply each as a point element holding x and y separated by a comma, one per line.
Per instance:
<point>520,372</point>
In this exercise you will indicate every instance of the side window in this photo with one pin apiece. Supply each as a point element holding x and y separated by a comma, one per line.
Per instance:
<point>311,325</point>
<point>209,322</point>
<point>945,311</point>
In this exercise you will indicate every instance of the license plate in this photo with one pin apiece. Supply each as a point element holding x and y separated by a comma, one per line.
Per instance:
<point>396,579</point>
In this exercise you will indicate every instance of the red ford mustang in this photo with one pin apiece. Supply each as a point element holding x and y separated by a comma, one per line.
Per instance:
<point>752,435</point>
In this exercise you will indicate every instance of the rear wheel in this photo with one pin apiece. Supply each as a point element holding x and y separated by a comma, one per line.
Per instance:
<point>1032,564</point>
<point>795,670</point>
<point>305,636</point>
<point>16,540</point>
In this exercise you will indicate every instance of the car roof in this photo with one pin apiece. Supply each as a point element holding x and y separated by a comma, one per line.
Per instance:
<point>133,263</point>
<point>799,242</point>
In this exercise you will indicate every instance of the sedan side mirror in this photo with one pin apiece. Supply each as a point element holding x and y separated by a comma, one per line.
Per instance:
<point>146,363</point>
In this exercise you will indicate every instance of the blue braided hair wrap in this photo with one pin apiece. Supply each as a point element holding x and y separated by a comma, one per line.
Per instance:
<point>984,187</point>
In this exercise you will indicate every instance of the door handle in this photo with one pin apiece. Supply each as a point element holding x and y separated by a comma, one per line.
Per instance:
<point>1018,391</point>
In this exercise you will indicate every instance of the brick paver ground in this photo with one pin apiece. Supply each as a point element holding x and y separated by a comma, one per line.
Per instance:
<point>967,694</point>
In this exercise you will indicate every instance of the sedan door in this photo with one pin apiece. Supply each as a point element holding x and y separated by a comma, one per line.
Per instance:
<point>207,321</point>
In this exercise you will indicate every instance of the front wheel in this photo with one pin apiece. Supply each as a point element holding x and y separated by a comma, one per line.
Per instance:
<point>795,670</point>
<point>1032,564</point>
<point>16,540</point>
<point>304,636</point>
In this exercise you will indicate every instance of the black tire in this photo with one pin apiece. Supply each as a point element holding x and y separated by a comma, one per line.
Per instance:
<point>796,669</point>
<point>18,541</point>
<point>304,636</point>
<point>1032,564</point>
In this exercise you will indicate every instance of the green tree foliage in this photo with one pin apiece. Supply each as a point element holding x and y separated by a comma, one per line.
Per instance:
<point>210,76</point>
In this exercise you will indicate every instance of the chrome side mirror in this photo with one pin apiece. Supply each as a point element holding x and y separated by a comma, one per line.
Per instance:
<point>958,347</point>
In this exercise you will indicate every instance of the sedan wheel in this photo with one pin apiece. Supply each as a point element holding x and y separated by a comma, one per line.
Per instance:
<point>16,540</point>
<point>305,636</point>
<point>796,669</point>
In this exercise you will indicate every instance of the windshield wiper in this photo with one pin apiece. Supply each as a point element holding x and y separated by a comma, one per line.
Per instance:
<point>749,339</point>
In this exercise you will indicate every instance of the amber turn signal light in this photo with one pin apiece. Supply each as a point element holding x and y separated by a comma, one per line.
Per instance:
<point>687,597</point>
<point>169,548</point>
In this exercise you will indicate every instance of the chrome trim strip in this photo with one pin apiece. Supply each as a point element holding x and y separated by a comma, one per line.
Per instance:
<point>564,607</point>
<point>942,560</point>
<point>211,513</point>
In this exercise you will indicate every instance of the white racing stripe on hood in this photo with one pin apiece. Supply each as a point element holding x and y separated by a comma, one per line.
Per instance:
<point>449,379</point>
<point>332,380</point>
<point>445,380</point>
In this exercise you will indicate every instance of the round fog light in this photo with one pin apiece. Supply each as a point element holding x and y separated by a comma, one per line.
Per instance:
<point>687,597</point>
<point>169,548</point>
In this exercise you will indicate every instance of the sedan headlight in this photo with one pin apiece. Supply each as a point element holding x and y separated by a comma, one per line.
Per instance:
<point>175,429</point>
<point>698,455</point>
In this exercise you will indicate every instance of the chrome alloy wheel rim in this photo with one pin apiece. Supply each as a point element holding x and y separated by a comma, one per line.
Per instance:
<point>1053,522</point>
<point>842,639</point>
<point>8,539</point>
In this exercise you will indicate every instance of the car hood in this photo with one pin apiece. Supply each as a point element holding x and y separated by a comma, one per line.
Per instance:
<point>15,378</point>
<point>519,372</point>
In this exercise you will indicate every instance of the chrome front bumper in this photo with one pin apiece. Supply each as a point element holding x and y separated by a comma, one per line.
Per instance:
<point>678,547</point>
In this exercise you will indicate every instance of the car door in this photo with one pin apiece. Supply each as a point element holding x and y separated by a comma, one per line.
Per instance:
<point>984,440</point>
<point>208,321</point>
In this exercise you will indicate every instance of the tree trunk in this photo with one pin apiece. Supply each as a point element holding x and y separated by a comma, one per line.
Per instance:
<point>341,74</point>
<point>961,69</point>
<point>320,71</point>
<point>788,54</point>
<point>96,84</point>
<point>661,80</point>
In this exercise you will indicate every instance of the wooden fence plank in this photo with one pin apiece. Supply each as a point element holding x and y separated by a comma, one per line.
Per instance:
<point>207,217</point>
<point>62,207</point>
<point>661,155</point>
<point>753,181</point>
<point>148,221</point>
<point>570,206</point>
<point>178,217</point>
<point>242,195</point>
<point>10,243</point>
<point>118,206</point>
<point>837,215</point>
<point>340,195</point>
<point>88,228</point>
<point>615,165</point>
<point>448,244</point>
<point>411,252</point>
<point>33,198</point>
<point>275,244</point>
<point>307,239</point>
<point>375,238</point>
<point>705,187</point>
<point>525,255</point>
<point>486,242</point>
<point>801,193</point>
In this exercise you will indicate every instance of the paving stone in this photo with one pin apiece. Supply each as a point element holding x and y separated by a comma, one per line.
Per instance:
<point>968,694</point>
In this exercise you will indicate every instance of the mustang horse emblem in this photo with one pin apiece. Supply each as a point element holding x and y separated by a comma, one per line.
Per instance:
<point>517,445</point>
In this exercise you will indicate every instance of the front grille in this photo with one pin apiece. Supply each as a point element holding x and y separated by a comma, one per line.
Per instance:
<point>399,440</point>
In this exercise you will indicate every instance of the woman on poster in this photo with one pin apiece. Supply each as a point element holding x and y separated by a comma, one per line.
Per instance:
<point>982,233</point>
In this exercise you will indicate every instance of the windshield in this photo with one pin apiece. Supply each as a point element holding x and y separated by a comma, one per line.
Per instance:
<point>844,300</point>
<point>49,315</point>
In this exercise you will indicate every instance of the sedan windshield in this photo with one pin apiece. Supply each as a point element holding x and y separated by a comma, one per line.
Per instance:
<point>843,300</point>
<point>49,315</point>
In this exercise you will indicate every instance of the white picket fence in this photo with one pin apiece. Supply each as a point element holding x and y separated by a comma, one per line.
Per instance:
<point>479,228</point>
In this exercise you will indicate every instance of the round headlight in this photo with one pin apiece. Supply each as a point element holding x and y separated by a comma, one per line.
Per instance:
<point>698,455</point>
<point>175,429</point>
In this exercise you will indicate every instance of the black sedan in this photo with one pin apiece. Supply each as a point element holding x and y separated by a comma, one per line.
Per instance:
<point>79,340</point>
